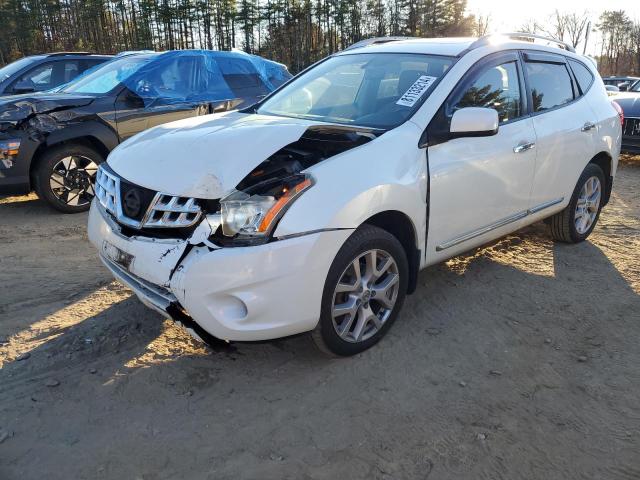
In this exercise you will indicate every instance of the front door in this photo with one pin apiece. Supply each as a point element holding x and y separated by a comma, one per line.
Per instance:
<point>164,92</point>
<point>480,186</point>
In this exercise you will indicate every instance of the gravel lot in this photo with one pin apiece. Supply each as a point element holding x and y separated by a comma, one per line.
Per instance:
<point>519,360</point>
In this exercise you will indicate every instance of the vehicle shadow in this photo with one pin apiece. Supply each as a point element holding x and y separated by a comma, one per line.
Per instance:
<point>529,343</point>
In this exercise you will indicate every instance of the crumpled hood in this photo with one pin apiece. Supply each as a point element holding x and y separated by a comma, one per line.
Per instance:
<point>15,108</point>
<point>630,103</point>
<point>203,157</point>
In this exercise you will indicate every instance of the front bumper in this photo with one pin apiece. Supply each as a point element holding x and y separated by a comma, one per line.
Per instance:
<point>240,293</point>
<point>15,179</point>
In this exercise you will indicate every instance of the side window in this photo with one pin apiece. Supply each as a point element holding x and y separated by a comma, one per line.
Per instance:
<point>496,87</point>
<point>37,79</point>
<point>583,75</point>
<point>87,64</point>
<point>550,85</point>
<point>242,77</point>
<point>70,71</point>
<point>173,81</point>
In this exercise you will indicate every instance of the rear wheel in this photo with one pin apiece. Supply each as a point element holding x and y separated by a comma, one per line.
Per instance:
<point>363,293</point>
<point>65,175</point>
<point>576,222</point>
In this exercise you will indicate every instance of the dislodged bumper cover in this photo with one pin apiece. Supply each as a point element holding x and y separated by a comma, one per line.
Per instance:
<point>260,292</point>
<point>151,259</point>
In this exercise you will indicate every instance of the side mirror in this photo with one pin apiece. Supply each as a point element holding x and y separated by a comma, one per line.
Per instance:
<point>474,122</point>
<point>623,87</point>
<point>23,86</point>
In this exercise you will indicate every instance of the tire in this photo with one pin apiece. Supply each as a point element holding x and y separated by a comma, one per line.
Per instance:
<point>374,307</point>
<point>64,176</point>
<point>570,227</point>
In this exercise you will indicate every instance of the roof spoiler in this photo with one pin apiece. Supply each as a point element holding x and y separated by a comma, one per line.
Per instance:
<point>528,37</point>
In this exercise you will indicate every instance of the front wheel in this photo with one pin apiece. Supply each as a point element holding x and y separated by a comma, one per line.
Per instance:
<point>576,222</point>
<point>65,175</point>
<point>363,293</point>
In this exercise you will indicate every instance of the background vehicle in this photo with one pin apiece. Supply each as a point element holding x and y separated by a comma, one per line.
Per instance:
<point>623,83</point>
<point>339,187</point>
<point>38,73</point>
<point>630,103</point>
<point>52,142</point>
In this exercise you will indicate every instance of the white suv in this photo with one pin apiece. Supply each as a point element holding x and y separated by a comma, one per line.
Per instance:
<point>314,210</point>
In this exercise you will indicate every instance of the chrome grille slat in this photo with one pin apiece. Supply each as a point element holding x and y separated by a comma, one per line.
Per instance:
<point>184,210</point>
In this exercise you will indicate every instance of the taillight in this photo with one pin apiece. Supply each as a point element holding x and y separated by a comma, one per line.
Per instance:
<point>618,108</point>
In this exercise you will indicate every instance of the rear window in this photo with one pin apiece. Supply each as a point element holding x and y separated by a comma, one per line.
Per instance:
<point>550,85</point>
<point>242,77</point>
<point>583,75</point>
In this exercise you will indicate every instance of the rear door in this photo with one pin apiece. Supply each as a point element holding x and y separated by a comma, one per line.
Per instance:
<point>564,124</point>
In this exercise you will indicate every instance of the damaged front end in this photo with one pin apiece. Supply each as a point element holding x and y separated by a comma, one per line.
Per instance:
<point>149,238</point>
<point>245,215</point>
<point>38,115</point>
<point>26,122</point>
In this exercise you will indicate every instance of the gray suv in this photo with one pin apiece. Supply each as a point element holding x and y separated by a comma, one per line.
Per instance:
<point>38,73</point>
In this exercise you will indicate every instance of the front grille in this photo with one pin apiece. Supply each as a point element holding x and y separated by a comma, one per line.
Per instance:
<point>138,207</point>
<point>107,190</point>
<point>631,127</point>
<point>172,211</point>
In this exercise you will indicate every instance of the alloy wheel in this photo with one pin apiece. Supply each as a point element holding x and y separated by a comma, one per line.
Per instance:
<point>588,204</point>
<point>72,180</point>
<point>365,296</point>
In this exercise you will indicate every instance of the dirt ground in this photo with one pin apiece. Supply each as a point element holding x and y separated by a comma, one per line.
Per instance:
<point>520,360</point>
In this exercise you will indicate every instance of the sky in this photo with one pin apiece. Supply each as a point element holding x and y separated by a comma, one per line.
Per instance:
<point>508,16</point>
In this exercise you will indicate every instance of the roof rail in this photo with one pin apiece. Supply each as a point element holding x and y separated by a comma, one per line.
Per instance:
<point>55,54</point>
<point>376,40</point>
<point>529,37</point>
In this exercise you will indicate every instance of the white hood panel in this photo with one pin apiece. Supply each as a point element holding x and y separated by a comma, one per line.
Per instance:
<point>203,157</point>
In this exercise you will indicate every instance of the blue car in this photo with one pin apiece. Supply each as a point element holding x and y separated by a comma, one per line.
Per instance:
<point>52,142</point>
<point>38,73</point>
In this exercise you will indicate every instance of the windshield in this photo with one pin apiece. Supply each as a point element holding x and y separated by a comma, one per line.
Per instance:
<point>377,90</point>
<point>9,70</point>
<point>636,86</point>
<point>107,76</point>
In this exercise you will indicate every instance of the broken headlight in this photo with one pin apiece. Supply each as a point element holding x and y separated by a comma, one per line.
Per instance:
<point>249,216</point>
<point>8,152</point>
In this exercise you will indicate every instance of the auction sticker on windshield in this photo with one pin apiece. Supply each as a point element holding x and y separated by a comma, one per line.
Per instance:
<point>415,91</point>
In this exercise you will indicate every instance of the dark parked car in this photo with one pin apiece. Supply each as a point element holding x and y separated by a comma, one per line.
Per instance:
<point>630,103</point>
<point>52,142</point>
<point>38,73</point>
<point>623,83</point>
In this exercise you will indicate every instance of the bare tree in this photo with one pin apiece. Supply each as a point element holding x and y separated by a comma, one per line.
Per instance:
<point>576,25</point>
<point>481,25</point>
<point>530,26</point>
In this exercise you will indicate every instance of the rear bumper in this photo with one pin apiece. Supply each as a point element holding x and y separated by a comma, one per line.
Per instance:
<point>631,146</point>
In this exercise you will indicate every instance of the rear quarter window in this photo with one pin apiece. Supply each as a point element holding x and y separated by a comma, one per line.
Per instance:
<point>242,77</point>
<point>583,75</point>
<point>550,85</point>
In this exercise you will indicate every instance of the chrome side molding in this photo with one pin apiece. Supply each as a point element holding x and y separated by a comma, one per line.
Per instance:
<point>500,223</point>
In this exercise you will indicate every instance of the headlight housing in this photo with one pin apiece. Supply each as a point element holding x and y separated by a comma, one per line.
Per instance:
<point>249,217</point>
<point>9,150</point>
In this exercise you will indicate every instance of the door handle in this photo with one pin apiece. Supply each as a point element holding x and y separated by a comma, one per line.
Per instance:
<point>523,147</point>
<point>588,126</point>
